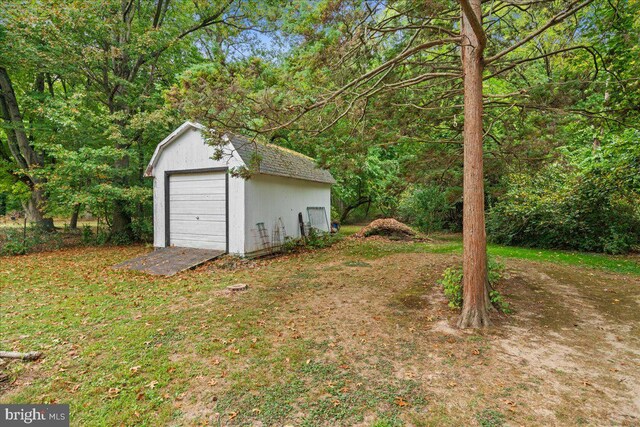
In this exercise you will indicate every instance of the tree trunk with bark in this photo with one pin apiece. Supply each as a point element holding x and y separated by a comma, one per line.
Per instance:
<point>33,210</point>
<point>350,208</point>
<point>73,222</point>
<point>23,153</point>
<point>476,303</point>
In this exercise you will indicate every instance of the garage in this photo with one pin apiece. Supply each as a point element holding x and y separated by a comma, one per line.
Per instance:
<point>245,198</point>
<point>197,210</point>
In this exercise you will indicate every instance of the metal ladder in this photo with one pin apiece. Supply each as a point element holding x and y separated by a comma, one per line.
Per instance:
<point>264,237</point>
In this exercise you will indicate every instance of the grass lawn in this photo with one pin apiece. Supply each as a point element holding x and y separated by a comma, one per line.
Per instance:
<point>356,334</point>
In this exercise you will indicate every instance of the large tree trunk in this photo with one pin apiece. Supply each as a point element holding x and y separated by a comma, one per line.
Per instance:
<point>347,210</point>
<point>33,210</point>
<point>73,222</point>
<point>22,151</point>
<point>476,304</point>
<point>121,219</point>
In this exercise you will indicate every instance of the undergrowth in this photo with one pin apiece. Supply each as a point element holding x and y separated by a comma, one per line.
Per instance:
<point>451,281</point>
<point>315,240</point>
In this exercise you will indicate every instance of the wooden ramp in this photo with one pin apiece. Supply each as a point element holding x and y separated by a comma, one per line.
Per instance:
<point>169,261</point>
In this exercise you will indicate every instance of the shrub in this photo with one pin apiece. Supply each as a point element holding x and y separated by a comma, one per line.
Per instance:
<point>14,247</point>
<point>426,208</point>
<point>451,281</point>
<point>87,235</point>
<point>587,205</point>
<point>18,241</point>
<point>120,238</point>
<point>452,284</point>
<point>142,228</point>
<point>315,240</point>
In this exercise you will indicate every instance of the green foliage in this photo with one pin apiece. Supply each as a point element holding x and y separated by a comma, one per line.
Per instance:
<point>87,235</point>
<point>587,204</point>
<point>102,236</point>
<point>425,207</point>
<point>451,282</point>
<point>385,422</point>
<point>315,240</point>
<point>498,301</point>
<point>117,81</point>
<point>18,241</point>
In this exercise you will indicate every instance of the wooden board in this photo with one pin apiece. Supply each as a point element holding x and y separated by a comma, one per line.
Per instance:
<point>169,261</point>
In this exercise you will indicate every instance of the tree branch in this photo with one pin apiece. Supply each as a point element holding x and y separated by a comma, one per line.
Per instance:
<point>475,23</point>
<point>535,58</point>
<point>556,19</point>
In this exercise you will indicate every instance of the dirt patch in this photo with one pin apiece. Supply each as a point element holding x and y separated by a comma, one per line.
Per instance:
<point>560,359</point>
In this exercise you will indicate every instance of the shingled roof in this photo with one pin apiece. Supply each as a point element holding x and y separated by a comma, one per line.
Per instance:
<point>280,161</point>
<point>272,159</point>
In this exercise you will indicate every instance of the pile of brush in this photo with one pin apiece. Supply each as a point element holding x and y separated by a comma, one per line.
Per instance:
<point>388,227</point>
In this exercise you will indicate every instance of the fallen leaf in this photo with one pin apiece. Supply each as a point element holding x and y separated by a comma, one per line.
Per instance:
<point>401,402</point>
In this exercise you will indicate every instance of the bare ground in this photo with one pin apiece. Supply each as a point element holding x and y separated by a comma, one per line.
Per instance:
<point>568,355</point>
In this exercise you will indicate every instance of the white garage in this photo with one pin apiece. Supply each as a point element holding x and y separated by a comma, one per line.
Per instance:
<point>245,199</point>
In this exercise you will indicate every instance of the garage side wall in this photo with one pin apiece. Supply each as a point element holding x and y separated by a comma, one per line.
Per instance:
<point>268,198</point>
<point>190,152</point>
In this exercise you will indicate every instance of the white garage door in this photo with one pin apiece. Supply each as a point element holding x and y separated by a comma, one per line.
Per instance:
<point>197,210</point>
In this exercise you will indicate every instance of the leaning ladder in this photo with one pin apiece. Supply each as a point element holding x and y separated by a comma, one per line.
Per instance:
<point>262,232</point>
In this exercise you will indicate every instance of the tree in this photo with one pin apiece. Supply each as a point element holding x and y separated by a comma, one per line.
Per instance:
<point>22,150</point>
<point>382,59</point>
<point>475,296</point>
<point>110,60</point>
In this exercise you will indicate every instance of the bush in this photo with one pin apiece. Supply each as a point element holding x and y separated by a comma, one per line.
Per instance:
<point>142,228</point>
<point>315,240</point>
<point>18,242</point>
<point>452,283</point>
<point>426,208</point>
<point>87,235</point>
<point>565,209</point>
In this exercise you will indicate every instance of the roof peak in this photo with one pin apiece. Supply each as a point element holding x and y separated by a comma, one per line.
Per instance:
<point>273,159</point>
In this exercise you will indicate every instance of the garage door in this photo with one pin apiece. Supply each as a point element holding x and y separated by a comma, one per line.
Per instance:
<point>197,210</point>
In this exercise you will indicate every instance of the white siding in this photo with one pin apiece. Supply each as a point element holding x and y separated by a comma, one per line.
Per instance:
<point>188,152</point>
<point>268,198</point>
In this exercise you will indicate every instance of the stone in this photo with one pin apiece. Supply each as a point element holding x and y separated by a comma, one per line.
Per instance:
<point>238,287</point>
